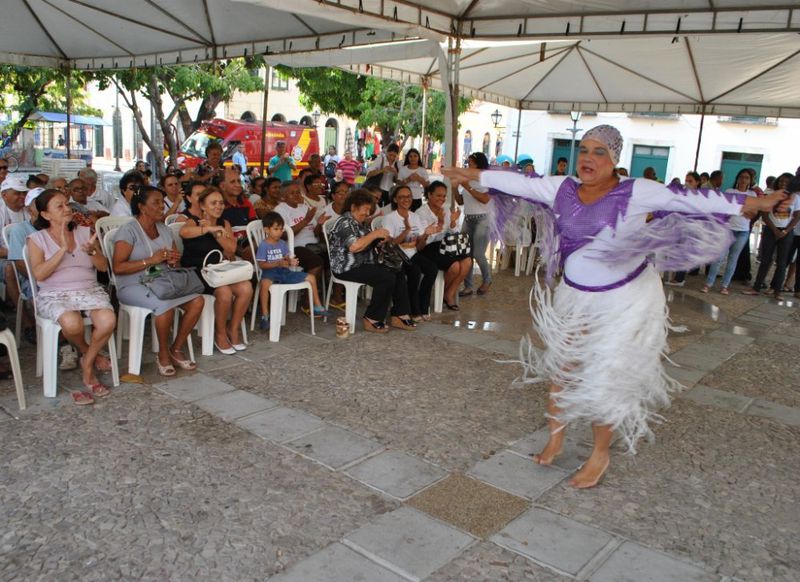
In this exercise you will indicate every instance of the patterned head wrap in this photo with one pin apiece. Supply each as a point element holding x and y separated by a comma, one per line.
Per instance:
<point>610,137</point>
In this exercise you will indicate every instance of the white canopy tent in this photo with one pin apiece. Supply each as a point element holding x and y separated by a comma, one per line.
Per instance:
<point>734,57</point>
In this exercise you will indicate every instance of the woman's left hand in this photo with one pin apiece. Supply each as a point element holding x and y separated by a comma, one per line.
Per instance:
<point>91,245</point>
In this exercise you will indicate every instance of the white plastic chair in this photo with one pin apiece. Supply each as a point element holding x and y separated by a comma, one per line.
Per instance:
<point>350,287</point>
<point>280,294</point>
<point>47,342</point>
<point>132,320</point>
<point>21,300</point>
<point>109,224</point>
<point>377,222</point>
<point>176,227</point>
<point>7,339</point>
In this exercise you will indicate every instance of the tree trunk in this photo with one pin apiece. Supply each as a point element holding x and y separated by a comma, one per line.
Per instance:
<point>207,109</point>
<point>164,124</point>
<point>186,121</point>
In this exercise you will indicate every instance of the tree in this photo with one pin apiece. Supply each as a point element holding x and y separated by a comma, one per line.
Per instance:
<point>394,108</point>
<point>212,83</point>
<point>28,89</point>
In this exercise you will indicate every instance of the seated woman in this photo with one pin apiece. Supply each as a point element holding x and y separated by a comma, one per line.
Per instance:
<point>146,244</point>
<point>200,237</point>
<point>333,210</point>
<point>456,268</point>
<point>270,197</point>
<point>192,207</point>
<point>64,260</point>
<point>351,241</point>
<point>405,229</point>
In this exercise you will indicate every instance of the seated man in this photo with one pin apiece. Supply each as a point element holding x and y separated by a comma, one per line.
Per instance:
<point>16,234</point>
<point>12,211</point>
<point>95,194</point>
<point>85,210</point>
<point>299,216</point>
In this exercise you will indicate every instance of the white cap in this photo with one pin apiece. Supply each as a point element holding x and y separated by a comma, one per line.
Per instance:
<point>32,195</point>
<point>14,182</point>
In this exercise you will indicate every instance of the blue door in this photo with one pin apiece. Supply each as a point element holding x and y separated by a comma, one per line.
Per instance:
<point>650,156</point>
<point>733,162</point>
<point>561,150</point>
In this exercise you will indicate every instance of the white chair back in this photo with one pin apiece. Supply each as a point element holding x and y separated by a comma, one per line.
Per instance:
<point>108,223</point>
<point>169,220</point>
<point>255,235</point>
<point>377,222</point>
<point>107,245</point>
<point>290,239</point>
<point>31,278</point>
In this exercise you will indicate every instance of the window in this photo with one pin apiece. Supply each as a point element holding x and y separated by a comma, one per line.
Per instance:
<point>742,157</point>
<point>651,151</point>
<point>279,82</point>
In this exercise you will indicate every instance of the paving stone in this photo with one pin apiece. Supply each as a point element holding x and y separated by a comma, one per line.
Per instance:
<point>783,414</point>
<point>232,405</point>
<point>718,398</point>
<point>335,447</point>
<point>634,563</point>
<point>785,339</point>
<point>337,562</point>
<point>194,387</point>
<point>704,357</point>
<point>726,336</point>
<point>469,504</point>
<point>396,473</point>
<point>517,474</point>
<point>772,312</point>
<point>280,424</point>
<point>409,542</point>
<point>754,322</point>
<point>574,454</point>
<point>553,540</point>
<point>685,375</point>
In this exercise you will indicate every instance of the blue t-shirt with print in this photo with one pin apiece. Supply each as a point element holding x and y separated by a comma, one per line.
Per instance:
<point>272,252</point>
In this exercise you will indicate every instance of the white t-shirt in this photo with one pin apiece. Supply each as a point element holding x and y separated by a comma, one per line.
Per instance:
<point>395,224</point>
<point>121,208</point>
<point>428,218</point>
<point>387,178</point>
<point>318,204</point>
<point>181,204</point>
<point>417,189</point>
<point>8,216</point>
<point>796,208</point>
<point>329,211</point>
<point>292,216</point>
<point>471,205</point>
<point>738,222</point>
<point>329,158</point>
<point>782,220</point>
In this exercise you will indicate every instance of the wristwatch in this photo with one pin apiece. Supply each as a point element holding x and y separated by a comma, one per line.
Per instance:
<point>92,252</point>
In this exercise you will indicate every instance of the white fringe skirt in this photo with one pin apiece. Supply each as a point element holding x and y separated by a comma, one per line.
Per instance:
<point>603,349</point>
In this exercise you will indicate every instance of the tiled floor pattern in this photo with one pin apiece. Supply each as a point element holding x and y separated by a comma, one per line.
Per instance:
<point>410,543</point>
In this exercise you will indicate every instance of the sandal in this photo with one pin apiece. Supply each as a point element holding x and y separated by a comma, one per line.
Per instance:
<point>375,326</point>
<point>484,289</point>
<point>427,317</point>
<point>402,323</point>
<point>465,293</point>
<point>82,398</point>
<point>102,362</point>
<point>453,307</point>
<point>724,291</point>
<point>705,289</point>
<point>97,390</point>
<point>778,297</point>
<point>167,370</point>
<point>751,292</point>
<point>183,364</point>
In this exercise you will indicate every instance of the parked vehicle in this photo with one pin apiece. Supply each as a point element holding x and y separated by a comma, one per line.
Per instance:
<point>301,142</point>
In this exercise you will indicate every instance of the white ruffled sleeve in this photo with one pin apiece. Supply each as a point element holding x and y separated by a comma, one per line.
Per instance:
<point>535,189</point>
<point>653,197</point>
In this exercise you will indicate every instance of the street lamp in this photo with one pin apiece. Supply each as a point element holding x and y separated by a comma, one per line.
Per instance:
<point>496,117</point>
<point>576,117</point>
<point>315,115</point>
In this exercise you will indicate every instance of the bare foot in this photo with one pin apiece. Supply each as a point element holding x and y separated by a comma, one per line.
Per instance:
<point>551,450</point>
<point>591,472</point>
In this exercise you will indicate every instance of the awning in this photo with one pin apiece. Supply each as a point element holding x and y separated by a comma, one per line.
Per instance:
<point>62,118</point>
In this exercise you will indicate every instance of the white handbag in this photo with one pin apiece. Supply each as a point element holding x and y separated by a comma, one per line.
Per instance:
<point>226,272</point>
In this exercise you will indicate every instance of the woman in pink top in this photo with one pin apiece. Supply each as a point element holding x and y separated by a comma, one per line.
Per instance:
<point>64,260</point>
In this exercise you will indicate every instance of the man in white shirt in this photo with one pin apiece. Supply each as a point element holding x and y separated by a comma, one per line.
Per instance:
<point>386,167</point>
<point>77,192</point>
<point>13,190</point>
<point>127,187</point>
<point>95,194</point>
<point>300,217</point>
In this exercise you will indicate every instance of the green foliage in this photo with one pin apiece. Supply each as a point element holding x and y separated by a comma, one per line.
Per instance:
<point>30,89</point>
<point>393,107</point>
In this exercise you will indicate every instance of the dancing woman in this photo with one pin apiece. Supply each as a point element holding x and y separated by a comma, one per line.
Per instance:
<point>605,324</point>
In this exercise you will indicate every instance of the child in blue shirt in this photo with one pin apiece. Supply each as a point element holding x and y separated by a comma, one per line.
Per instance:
<point>278,265</point>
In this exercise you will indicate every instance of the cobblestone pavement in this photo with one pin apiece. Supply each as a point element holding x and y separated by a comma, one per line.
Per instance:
<point>405,457</point>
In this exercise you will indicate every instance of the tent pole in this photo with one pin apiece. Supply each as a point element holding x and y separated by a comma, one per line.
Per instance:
<point>69,112</point>
<point>424,114</point>
<point>267,81</point>
<point>699,139</point>
<point>516,145</point>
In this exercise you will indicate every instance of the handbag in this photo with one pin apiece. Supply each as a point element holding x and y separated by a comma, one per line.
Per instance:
<point>171,283</point>
<point>226,272</point>
<point>390,256</point>
<point>456,244</point>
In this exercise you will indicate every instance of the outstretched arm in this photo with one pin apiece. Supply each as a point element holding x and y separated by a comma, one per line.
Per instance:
<point>652,196</point>
<point>541,190</point>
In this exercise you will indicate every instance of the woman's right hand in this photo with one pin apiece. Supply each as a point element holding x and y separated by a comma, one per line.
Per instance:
<point>381,233</point>
<point>433,229</point>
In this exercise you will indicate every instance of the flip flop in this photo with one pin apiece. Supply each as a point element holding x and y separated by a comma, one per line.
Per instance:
<point>82,398</point>
<point>97,390</point>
